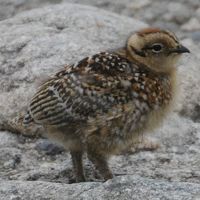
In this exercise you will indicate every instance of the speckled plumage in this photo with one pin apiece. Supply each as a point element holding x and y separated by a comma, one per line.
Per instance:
<point>94,87</point>
<point>101,103</point>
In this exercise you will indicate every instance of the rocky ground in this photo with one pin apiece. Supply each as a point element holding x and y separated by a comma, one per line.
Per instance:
<point>181,16</point>
<point>38,42</point>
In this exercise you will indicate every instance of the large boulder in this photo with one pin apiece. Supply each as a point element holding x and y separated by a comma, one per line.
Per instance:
<point>34,45</point>
<point>183,16</point>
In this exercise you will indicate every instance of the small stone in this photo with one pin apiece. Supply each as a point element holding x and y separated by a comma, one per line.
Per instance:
<point>197,13</point>
<point>137,4</point>
<point>194,3</point>
<point>177,12</point>
<point>7,139</point>
<point>48,147</point>
<point>195,36</point>
<point>192,25</point>
<point>12,163</point>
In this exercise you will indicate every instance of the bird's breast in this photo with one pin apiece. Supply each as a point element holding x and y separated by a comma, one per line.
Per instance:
<point>124,123</point>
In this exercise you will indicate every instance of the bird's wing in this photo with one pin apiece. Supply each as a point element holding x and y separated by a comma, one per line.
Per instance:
<point>92,87</point>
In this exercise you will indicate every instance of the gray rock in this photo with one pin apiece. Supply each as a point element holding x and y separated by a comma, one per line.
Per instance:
<point>137,4</point>
<point>48,147</point>
<point>177,12</point>
<point>192,25</point>
<point>195,36</point>
<point>197,13</point>
<point>127,187</point>
<point>9,8</point>
<point>177,159</point>
<point>154,12</point>
<point>189,80</point>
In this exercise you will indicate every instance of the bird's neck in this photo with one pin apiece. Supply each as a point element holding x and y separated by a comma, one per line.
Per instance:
<point>169,74</point>
<point>135,59</point>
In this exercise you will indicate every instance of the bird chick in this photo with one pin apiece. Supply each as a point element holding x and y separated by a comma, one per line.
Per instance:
<point>102,103</point>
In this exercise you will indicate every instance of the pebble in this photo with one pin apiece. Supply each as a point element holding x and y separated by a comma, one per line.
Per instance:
<point>12,163</point>
<point>197,13</point>
<point>192,25</point>
<point>177,12</point>
<point>137,4</point>
<point>195,36</point>
<point>48,147</point>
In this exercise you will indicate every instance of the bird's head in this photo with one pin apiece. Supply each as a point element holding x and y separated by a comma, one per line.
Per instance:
<point>156,48</point>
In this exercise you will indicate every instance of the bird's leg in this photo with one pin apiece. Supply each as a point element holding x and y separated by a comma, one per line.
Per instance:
<point>77,165</point>
<point>100,162</point>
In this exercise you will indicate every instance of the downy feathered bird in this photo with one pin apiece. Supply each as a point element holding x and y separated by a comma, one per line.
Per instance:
<point>102,103</point>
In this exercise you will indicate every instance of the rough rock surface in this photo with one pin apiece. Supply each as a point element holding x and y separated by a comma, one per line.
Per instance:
<point>126,188</point>
<point>37,43</point>
<point>180,16</point>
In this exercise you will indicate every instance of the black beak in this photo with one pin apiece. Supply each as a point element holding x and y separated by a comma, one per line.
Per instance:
<point>180,49</point>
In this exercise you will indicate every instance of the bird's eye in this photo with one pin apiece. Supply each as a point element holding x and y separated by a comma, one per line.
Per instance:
<point>156,48</point>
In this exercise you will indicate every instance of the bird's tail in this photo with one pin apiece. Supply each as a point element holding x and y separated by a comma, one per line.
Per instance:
<point>21,124</point>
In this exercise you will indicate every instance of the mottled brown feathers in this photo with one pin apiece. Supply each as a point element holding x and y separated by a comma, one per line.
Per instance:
<point>154,30</point>
<point>93,87</point>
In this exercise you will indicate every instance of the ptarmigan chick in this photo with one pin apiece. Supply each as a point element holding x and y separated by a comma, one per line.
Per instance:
<point>101,104</point>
